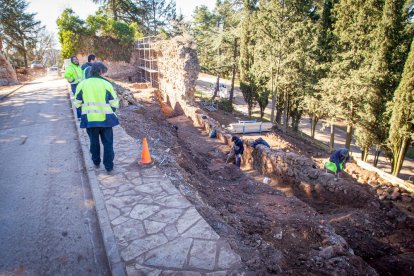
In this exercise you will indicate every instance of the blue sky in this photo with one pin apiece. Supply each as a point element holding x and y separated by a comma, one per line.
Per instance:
<point>49,10</point>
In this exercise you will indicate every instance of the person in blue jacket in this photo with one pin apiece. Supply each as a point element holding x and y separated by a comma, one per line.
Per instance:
<point>337,161</point>
<point>86,67</point>
<point>260,141</point>
<point>238,149</point>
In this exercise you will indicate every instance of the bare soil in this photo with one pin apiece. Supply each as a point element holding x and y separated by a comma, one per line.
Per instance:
<point>276,228</point>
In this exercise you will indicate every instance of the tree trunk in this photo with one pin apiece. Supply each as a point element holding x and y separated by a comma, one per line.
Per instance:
<point>233,76</point>
<point>332,138</point>
<point>349,130</point>
<point>285,111</point>
<point>377,155</point>
<point>399,159</point>
<point>272,113</point>
<point>364,154</point>
<point>25,58</point>
<point>216,89</point>
<point>114,9</point>
<point>314,121</point>
<point>279,112</point>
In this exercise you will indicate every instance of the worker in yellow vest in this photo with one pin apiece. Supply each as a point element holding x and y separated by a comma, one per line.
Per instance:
<point>98,101</point>
<point>73,74</point>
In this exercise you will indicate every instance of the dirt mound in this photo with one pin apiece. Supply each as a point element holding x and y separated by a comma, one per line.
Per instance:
<point>313,227</point>
<point>271,232</point>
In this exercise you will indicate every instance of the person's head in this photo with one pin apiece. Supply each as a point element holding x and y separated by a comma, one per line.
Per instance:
<point>344,152</point>
<point>74,60</point>
<point>91,58</point>
<point>98,69</point>
<point>234,138</point>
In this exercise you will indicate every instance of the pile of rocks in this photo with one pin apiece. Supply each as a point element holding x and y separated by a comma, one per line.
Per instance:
<point>385,190</point>
<point>7,74</point>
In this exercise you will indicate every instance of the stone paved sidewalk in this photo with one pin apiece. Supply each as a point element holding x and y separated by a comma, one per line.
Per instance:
<point>157,230</point>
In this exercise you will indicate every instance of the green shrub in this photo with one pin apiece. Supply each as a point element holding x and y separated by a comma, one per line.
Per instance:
<point>225,105</point>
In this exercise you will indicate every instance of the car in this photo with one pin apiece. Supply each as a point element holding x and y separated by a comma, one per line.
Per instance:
<point>36,64</point>
<point>53,68</point>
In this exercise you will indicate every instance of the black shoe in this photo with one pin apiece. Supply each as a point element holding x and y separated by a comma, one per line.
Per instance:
<point>109,170</point>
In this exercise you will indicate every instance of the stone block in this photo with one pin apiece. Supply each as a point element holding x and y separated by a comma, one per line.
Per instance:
<point>171,255</point>
<point>203,254</point>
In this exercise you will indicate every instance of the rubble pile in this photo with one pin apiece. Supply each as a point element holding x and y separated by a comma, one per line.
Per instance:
<point>385,190</point>
<point>7,74</point>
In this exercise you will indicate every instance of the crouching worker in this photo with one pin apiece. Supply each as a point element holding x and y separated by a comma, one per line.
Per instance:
<point>98,102</point>
<point>337,161</point>
<point>237,149</point>
<point>260,141</point>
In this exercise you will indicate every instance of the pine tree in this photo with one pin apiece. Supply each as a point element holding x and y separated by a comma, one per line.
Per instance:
<point>402,119</point>
<point>323,55</point>
<point>385,73</point>
<point>355,27</point>
<point>284,44</point>
<point>18,28</point>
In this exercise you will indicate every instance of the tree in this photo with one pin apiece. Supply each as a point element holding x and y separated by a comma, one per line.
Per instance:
<point>402,119</point>
<point>249,91</point>
<point>347,84</point>
<point>284,42</point>
<point>217,39</point>
<point>384,76</point>
<point>71,27</point>
<point>158,14</point>
<point>18,28</point>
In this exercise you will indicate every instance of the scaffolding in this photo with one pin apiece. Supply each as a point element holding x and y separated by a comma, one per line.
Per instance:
<point>147,61</point>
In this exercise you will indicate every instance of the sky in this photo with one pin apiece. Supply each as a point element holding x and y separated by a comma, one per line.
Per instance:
<point>49,10</point>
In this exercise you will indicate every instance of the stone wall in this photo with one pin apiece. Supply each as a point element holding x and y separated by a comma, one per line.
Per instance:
<point>178,70</point>
<point>7,74</point>
<point>121,70</point>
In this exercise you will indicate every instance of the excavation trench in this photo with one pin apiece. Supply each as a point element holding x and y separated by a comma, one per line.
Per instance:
<point>287,227</point>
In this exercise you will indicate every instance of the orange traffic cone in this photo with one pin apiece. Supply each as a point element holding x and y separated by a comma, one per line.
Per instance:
<point>145,155</point>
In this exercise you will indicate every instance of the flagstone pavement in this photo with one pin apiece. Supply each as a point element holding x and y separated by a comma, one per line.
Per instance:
<point>157,230</point>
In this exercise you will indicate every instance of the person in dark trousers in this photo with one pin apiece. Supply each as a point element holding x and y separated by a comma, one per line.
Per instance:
<point>98,101</point>
<point>337,161</point>
<point>73,74</point>
<point>238,149</point>
<point>86,67</point>
<point>260,141</point>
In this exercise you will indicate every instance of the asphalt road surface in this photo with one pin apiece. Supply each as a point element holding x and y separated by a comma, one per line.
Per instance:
<point>48,224</point>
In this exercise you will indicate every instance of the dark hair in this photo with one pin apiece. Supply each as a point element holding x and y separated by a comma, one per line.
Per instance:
<point>98,68</point>
<point>234,138</point>
<point>91,57</point>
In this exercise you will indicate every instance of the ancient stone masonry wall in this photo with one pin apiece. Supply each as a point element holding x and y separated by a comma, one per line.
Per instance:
<point>119,70</point>
<point>7,74</point>
<point>178,70</point>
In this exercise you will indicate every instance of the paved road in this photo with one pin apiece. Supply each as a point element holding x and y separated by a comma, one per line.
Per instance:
<point>203,84</point>
<point>48,224</point>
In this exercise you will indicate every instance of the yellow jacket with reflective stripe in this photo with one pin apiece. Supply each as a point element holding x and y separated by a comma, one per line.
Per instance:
<point>73,73</point>
<point>98,101</point>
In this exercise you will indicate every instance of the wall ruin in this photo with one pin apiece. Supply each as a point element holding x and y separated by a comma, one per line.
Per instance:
<point>7,74</point>
<point>178,70</point>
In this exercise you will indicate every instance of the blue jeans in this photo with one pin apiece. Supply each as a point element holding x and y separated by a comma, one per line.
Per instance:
<point>73,88</point>
<point>238,160</point>
<point>107,139</point>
